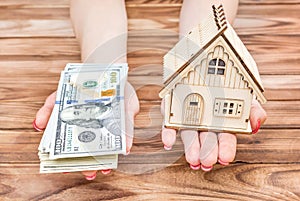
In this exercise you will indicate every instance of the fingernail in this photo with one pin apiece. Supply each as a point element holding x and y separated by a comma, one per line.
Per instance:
<point>167,148</point>
<point>195,167</point>
<point>105,172</point>
<point>92,177</point>
<point>223,163</point>
<point>35,126</point>
<point>127,153</point>
<point>206,168</point>
<point>257,127</point>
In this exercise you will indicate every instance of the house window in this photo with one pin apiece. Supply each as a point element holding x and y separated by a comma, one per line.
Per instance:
<point>193,103</point>
<point>216,67</point>
<point>228,107</point>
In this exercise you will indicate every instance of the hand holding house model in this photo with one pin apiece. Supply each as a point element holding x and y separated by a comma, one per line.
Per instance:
<point>210,79</point>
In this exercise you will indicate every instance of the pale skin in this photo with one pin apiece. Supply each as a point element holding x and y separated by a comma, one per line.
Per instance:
<point>101,26</point>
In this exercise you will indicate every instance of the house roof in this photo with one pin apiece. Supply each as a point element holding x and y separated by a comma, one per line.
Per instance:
<point>198,39</point>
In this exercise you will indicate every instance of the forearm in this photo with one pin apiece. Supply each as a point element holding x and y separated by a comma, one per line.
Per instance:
<point>101,29</point>
<point>194,11</point>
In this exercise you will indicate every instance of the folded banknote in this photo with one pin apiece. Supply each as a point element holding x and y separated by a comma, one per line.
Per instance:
<point>86,129</point>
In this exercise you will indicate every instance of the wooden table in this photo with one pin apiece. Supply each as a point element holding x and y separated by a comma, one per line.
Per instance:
<point>37,40</point>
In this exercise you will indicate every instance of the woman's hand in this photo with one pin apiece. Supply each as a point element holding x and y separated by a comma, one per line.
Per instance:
<point>204,149</point>
<point>131,109</point>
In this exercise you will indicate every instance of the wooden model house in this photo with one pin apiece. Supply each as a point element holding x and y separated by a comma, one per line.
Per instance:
<point>210,79</point>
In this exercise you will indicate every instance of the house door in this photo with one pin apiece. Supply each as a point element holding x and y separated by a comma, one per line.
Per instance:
<point>192,109</point>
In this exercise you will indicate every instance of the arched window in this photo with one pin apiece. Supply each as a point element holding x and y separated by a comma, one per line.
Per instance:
<point>216,67</point>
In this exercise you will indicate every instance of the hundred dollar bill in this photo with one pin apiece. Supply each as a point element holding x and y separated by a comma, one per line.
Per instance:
<point>77,164</point>
<point>44,146</point>
<point>90,112</point>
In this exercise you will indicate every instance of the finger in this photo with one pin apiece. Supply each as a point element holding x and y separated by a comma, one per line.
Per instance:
<point>168,135</point>
<point>90,175</point>
<point>43,115</point>
<point>132,107</point>
<point>191,143</point>
<point>227,148</point>
<point>208,150</point>
<point>106,172</point>
<point>257,116</point>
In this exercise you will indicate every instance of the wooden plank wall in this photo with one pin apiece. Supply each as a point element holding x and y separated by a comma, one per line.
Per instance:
<point>37,40</point>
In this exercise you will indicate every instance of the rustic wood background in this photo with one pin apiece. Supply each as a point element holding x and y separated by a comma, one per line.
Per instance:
<point>37,40</point>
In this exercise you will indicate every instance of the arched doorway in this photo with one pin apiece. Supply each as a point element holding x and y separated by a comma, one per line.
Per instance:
<point>192,109</point>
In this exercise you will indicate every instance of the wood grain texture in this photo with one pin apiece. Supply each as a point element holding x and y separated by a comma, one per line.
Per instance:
<point>272,2</point>
<point>39,47</point>
<point>255,19</point>
<point>34,3</point>
<point>20,147</point>
<point>37,40</point>
<point>172,183</point>
<point>35,28</point>
<point>281,114</point>
<point>147,78</point>
<point>241,2</point>
<point>39,13</point>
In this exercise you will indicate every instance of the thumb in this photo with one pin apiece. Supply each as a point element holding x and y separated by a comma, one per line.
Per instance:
<point>43,115</point>
<point>132,107</point>
<point>168,136</point>
<point>257,116</point>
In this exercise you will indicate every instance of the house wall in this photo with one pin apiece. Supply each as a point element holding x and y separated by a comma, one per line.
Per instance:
<point>230,87</point>
<point>199,76</point>
<point>209,95</point>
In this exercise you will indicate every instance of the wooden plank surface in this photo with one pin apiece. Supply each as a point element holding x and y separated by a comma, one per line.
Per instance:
<point>37,40</point>
<point>272,182</point>
<point>277,87</point>
<point>281,114</point>
<point>19,146</point>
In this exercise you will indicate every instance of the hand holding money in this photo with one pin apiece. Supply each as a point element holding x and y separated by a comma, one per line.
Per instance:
<point>80,119</point>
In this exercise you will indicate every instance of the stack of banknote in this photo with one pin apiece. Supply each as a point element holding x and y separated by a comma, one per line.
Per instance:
<point>86,130</point>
